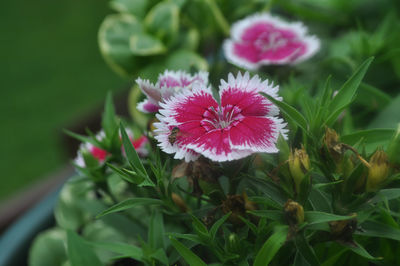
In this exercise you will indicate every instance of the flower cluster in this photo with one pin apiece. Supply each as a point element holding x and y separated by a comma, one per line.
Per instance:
<point>100,154</point>
<point>193,123</point>
<point>263,39</point>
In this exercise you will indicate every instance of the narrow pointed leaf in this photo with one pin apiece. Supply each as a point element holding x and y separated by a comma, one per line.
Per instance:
<point>314,217</point>
<point>122,249</point>
<point>377,229</point>
<point>270,214</point>
<point>156,230</point>
<point>271,246</point>
<point>217,225</point>
<point>386,194</point>
<point>79,252</point>
<point>82,138</point>
<point>305,249</point>
<point>134,159</point>
<point>191,258</point>
<point>358,249</point>
<point>129,203</point>
<point>191,237</point>
<point>109,122</point>
<point>130,177</point>
<point>290,112</point>
<point>346,94</point>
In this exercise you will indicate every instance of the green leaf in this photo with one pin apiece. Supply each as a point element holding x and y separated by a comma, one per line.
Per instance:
<point>271,246</point>
<point>270,214</point>
<point>217,224</point>
<point>109,122</point>
<point>114,42</point>
<point>163,20</point>
<point>160,255</point>
<point>377,229</point>
<point>134,7</point>
<point>200,228</point>
<point>386,194</point>
<point>305,249</point>
<point>79,252</point>
<point>127,175</point>
<point>388,117</point>
<point>129,203</point>
<point>144,44</point>
<point>185,60</point>
<point>332,261</point>
<point>373,138</point>
<point>48,248</point>
<point>134,159</point>
<point>289,112</point>
<point>191,258</point>
<point>156,230</point>
<point>358,249</point>
<point>122,249</point>
<point>394,147</point>
<point>372,97</point>
<point>83,139</point>
<point>346,94</point>
<point>191,237</point>
<point>314,217</point>
<point>269,189</point>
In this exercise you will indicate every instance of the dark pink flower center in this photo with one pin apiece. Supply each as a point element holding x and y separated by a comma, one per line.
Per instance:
<point>221,117</point>
<point>98,153</point>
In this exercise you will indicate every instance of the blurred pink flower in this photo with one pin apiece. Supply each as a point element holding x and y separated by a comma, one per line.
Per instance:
<point>169,83</point>
<point>192,123</point>
<point>100,154</point>
<point>263,39</point>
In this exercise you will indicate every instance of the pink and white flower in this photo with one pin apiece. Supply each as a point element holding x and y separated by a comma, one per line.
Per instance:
<point>101,155</point>
<point>169,83</point>
<point>98,153</point>
<point>263,39</point>
<point>193,123</point>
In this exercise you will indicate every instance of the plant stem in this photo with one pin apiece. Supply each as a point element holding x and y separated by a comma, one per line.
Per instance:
<point>219,17</point>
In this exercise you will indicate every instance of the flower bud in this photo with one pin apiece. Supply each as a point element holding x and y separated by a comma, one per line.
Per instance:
<point>332,144</point>
<point>294,212</point>
<point>299,165</point>
<point>378,170</point>
<point>234,245</point>
<point>179,202</point>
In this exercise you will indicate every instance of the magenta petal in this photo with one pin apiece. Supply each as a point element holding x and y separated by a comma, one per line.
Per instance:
<point>250,103</point>
<point>193,107</point>
<point>148,107</point>
<point>214,145</point>
<point>256,133</point>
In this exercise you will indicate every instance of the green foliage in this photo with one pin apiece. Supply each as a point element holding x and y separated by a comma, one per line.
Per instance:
<point>268,209</point>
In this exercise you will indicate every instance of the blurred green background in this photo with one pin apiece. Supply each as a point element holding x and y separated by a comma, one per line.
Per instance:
<point>51,74</point>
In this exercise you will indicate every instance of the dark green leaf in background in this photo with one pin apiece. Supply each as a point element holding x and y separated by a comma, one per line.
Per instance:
<point>191,258</point>
<point>271,246</point>
<point>130,203</point>
<point>79,252</point>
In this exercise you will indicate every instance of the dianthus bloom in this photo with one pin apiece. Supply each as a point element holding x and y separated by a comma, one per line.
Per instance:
<point>192,123</point>
<point>169,83</point>
<point>262,39</point>
<point>100,154</point>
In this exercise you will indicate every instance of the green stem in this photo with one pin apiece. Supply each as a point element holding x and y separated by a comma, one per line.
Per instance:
<point>219,17</point>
